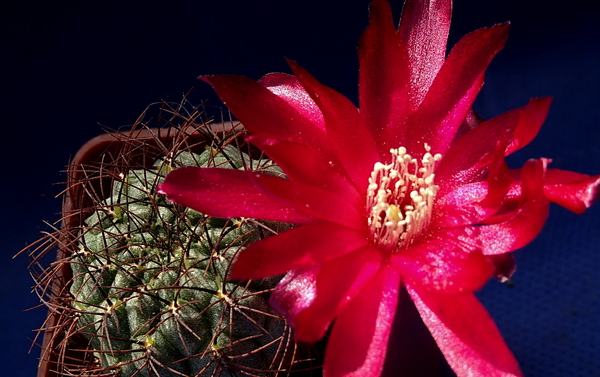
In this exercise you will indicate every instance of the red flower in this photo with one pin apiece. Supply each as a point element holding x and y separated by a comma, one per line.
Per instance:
<point>411,188</point>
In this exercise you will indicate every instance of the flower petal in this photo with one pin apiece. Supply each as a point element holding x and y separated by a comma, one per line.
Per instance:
<point>498,180</point>
<point>454,89</point>
<point>465,333</point>
<point>461,206</point>
<point>313,200</point>
<point>475,202</point>
<point>288,88</point>
<point>262,111</point>
<point>302,164</point>
<point>359,339</point>
<point>424,27</point>
<point>297,248</point>
<point>349,138</point>
<point>384,77</point>
<point>447,262</point>
<point>338,281</point>
<point>471,153</point>
<point>531,119</point>
<point>576,192</point>
<point>295,292</point>
<point>227,193</point>
<point>519,227</point>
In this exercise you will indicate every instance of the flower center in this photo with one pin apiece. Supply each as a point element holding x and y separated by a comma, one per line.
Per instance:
<point>400,198</point>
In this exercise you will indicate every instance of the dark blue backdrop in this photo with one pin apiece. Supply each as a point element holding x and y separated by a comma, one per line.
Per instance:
<point>69,67</point>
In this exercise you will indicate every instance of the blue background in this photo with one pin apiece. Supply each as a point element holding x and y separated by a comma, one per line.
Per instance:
<point>70,69</point>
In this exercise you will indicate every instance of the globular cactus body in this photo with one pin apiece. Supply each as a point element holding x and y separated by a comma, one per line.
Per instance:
<point>150,285</point>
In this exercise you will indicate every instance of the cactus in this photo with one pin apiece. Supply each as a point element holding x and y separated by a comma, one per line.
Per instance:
<point>141,285</point>
<point>150,282</point>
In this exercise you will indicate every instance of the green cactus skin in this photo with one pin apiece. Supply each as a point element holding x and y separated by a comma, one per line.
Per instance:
<point>150,286</point>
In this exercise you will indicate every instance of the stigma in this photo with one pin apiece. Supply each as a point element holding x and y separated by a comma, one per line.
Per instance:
<point>400,198</point>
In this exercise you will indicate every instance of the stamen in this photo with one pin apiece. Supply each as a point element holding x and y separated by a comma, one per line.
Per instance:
<point>400,198</point>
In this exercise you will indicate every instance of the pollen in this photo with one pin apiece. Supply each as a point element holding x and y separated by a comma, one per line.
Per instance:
<point>400,198</point>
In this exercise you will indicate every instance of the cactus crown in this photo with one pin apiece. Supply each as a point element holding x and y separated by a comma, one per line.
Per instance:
<point>140,285</point>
